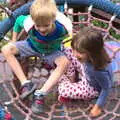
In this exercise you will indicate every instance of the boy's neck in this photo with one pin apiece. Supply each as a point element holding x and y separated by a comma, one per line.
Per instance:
<point>53,28</point>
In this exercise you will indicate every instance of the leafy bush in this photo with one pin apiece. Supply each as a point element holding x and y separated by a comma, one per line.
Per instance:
<point>114,34</point>
<point>100,24</point>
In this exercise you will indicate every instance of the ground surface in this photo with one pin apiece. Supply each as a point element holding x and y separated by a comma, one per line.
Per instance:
<point>75,110</point>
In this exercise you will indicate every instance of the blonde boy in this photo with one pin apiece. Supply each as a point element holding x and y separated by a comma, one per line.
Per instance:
<point>47,28</point>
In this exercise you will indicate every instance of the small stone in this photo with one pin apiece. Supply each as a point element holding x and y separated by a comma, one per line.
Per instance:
<point>51,71</point>
<point>35,80</point>
<point>30,74</point>
<point>36,73</point>
<point>44,72</point>
<point>42,79</point>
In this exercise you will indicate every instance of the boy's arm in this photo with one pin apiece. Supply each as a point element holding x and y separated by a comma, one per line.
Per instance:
<point>65,21</point>
<point>19,25</point>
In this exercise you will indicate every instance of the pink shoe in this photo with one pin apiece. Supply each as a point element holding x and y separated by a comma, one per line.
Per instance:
<point>63,99</point>
<point>47,66</point>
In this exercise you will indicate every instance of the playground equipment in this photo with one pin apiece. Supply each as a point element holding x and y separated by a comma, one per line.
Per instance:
<point>100,14</point>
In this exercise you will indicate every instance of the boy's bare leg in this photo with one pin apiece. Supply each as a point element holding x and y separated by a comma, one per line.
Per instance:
<point>9,51</point>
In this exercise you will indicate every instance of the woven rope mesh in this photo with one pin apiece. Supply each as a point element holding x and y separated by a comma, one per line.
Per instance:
<point>77,110</point>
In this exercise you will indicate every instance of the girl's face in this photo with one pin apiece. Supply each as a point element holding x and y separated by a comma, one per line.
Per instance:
<point>81,56</point>
<point>45,29</point>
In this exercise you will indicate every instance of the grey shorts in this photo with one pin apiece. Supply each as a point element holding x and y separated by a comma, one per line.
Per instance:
<point>25,50</point>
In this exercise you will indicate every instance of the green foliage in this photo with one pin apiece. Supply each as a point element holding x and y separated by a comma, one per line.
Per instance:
<point>114,34</point>
<point>116,1</point>
<point>103,25</point>
<point>100,24</point>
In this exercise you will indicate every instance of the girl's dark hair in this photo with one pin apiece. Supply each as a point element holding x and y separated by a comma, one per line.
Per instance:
<point>91,41</point>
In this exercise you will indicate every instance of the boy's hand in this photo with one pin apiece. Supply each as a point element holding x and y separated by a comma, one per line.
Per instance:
<point>95,111</point>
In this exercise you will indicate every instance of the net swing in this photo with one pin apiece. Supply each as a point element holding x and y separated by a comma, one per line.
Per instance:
<point>100,14</point>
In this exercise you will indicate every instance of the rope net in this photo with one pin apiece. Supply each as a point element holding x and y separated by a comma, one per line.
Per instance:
<point>76,110</point>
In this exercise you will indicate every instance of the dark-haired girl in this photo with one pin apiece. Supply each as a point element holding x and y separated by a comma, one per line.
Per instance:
<point>92,64</point>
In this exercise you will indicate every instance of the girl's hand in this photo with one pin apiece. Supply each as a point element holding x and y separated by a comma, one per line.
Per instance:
<point>95,111</point>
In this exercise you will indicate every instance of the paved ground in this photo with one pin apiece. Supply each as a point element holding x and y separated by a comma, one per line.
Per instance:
<point>76,110</point>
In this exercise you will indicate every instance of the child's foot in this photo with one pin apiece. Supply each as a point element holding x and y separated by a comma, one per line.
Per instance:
<point>63,99</point>
<point>95,111</point>
<point>38,104</point>
<point>27,89</point>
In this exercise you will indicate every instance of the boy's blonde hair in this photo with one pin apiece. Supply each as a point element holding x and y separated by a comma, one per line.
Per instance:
<point>43,11</point>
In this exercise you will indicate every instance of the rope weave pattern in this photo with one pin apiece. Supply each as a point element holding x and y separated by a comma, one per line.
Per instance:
<point>55,111</point>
